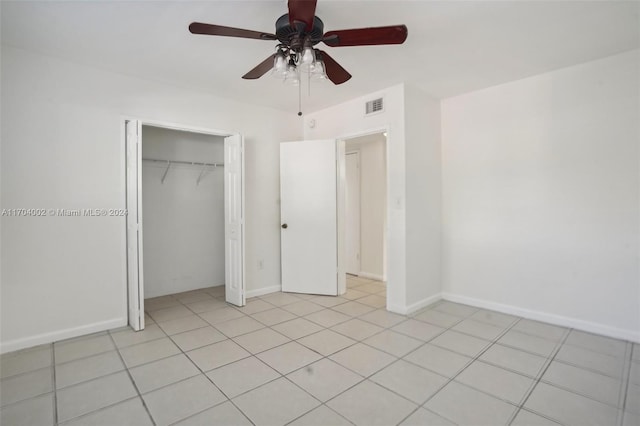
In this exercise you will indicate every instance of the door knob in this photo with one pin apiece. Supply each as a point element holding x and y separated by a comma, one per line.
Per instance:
<point>285,226</point>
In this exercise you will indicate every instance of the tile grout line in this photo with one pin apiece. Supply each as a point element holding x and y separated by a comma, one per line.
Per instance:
<point>133,382</point>
<point>624,387</point>
<point>55,387</point>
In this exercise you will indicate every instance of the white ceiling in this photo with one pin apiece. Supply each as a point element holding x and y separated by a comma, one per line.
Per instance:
<point>453,46</point>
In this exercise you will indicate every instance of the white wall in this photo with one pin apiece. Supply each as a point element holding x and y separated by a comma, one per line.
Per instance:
<point>408,289</point>
<point>541,196</point>
<point>62,147</point>
<point>183,220</point>
<point>373,202</point>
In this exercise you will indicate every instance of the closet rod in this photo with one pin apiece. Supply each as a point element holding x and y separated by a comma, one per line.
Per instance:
<point>191,163</point>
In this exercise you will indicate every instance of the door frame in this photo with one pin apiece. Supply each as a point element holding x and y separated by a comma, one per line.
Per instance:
<point>170,126</point>
<point>386,266</point>
<point>357,154</point>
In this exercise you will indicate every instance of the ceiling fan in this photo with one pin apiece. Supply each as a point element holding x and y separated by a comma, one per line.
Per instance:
<point>298,32</point>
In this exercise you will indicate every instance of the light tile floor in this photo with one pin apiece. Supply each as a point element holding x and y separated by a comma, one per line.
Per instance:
<point>316,360</point>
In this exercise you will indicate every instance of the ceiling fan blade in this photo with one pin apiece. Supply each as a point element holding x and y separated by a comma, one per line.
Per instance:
<point>261,69</point>
<point>219,30</point>
<point>334,70</point>
<point>395,34</point>
<point>302,11</point>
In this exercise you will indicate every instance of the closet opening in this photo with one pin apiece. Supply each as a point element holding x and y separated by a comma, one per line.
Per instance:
<point>185,221</point>
<point>365,220</point>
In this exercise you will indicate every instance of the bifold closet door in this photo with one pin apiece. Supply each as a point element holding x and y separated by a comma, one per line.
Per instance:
<point>234,219</point>
<point>135,282</point>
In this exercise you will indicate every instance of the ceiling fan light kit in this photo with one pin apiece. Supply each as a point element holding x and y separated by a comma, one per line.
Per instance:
<point>297,33</point>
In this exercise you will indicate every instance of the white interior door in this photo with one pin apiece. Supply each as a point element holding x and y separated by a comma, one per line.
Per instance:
<point>234,219</point>
<point>353,213</point>
<point>135,282</point>
<point>308,210</point>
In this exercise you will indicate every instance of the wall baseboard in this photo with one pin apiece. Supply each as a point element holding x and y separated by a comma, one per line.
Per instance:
<point>414,307</point>
<point>55,336</point>
<point>371,276</point>
<point>262,291</point>
<point>588,326</point>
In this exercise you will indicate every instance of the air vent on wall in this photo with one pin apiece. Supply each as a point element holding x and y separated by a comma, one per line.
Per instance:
<point>376,105</point>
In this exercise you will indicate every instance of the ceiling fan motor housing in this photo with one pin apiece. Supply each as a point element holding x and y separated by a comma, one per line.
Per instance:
<point>293,37</point>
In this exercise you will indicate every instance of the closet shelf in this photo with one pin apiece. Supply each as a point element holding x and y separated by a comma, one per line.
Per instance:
<point>190,163</point>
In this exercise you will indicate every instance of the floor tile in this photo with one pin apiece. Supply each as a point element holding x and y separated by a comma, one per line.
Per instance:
<point>216,355</point>
<point>455,309</point>
<point>478,408</point>
<point>418,329</point>
<point>460,343</point>
<point>34,411</point>
<point>328,301</point>
<point>569,408</point>
<point>630,419</point>
<point>93,395</point>
<point>127,413</point>
<point>527,418</point>
<point>503,384</point>
<point>528,343</point>
<point>27,385</point>
<point>155,303</point>
<point>514,359</point>
<point>493,318</point>
<point>147,352</point>
<point>370,404</point>
<point>605,364</point>
<point>239,326</point>
<point>634,373</point>
<point>353,294</point>
<point>297,328</point>
<point>394,343</point>
<point>273,316</point>
<point>371,287</point>
<point>595,385</point>
<point>540,329</point>
<point>275,403</point>
<point>160,373</point>
<point>255,306</point>
<point>221,315</point>
<point>438,318</point>
<point>383,318</point>
<point>478,329</point>
<point>373,300</point>
<point>439,360</point>
<point>413,382</point>
<point>353,309</point>
<point>357,329</point>
<point>242,376</point>
<point>197,338</point>
<point>362,359</point>
<point>183,324</point>
<point>635,355</point>
<point>422,417</point>
<point>321,416</point>
<point>130,337</point>
<point>225,414</point>
<point>302,308</point>
<point>324,379</point>
<point>203,306</point>
<point>74,372</point>
<point>261,340</point>
<point>328,318</point>
<point>183,399</point>
<point>192,297</point>
<point>326,342</point>
<point>289,357</point>
<point>166,314</point>
<point>280,299</point>
<point>69,350</point>
<point>25,361</point>
<point>215,291</point>
<point>593,342</point>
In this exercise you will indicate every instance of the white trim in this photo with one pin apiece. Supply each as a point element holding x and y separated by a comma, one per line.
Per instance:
<point>262,291</point>
<point>371,276</point>
<point>55,336</point>
<point>407,310</point>
<point>578,324</point>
